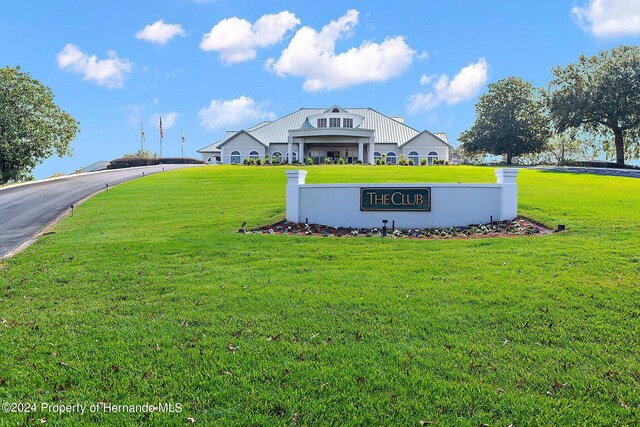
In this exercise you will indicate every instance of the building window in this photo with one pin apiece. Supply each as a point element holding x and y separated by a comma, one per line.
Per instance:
<point>347,123</point>
<point>295,157</point>
<point>254,155</point>
<point>276,157</point>
<point>235,157</point>
<point>334,122</point>
<point>431,157</point>
<point>377,156</point>
<point>322,123</point>
<point>392,159</point>
<point>335,110</point>
<point>414,157</point>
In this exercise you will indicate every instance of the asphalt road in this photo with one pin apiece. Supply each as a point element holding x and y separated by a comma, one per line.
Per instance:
<point>26,210</point>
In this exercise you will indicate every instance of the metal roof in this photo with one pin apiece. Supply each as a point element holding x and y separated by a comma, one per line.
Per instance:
<point>387,129</point>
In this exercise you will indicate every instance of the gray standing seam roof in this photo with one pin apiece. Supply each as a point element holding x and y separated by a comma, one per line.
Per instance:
<point>387,130</point>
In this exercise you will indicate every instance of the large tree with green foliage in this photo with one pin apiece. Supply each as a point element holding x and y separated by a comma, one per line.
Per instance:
<point>601,95</point>
<point>32,126</point>
<point>510,121</point>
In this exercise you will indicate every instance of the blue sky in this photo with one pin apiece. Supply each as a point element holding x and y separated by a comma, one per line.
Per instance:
<point>208,66</point>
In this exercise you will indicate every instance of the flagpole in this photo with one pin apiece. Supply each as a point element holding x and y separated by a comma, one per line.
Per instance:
<point>141,137</point>
<point>182,143</point>
<point>161,137</point>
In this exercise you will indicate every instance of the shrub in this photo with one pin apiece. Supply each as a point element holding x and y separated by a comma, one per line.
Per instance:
<point>402,161</point>
<point>327,161</point>
<point>410,162</point>
<point>358,162</point>
<point>423,162</point>
<point>384,159</point>
<point>275,161</point>
<point>259,162</point>
<point>341,161</point>
<point>245,162</point>
<point>378,162</point>
<point>252,162</point>
<point>309,161</point>
<point>267,159</point>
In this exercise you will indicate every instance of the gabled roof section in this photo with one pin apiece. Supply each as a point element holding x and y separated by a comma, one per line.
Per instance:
<point>442,136</point>
<point>444,141</point>
<point>238,134</point>
<point>335,109</point>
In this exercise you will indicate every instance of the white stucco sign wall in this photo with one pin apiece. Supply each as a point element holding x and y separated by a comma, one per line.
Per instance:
<point>345,205</point>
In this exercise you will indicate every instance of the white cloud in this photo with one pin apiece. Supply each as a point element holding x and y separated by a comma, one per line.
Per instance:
<point>160,33</point>
<point>168,120</point>
<point>464,85</point>
<point>609,18</point>
<point>311,54</point>
<point>236,39</point>
<point>425,80</point>
<point>109,72</point>
<point>227,113</point>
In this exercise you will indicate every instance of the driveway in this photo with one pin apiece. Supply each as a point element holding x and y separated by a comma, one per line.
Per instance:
<point>27,209</point>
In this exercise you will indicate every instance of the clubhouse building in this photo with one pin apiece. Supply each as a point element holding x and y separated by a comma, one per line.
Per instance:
<point>357,135</point>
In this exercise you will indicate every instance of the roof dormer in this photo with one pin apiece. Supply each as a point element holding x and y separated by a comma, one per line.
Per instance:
<point>336,109</point>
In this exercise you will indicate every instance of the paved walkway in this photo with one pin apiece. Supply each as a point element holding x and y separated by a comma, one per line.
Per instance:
<point>27,209</point>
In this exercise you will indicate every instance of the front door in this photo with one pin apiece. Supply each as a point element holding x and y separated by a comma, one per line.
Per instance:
<point>333,155</point>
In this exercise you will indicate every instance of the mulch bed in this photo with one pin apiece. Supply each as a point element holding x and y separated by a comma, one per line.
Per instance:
<point>517,227</point>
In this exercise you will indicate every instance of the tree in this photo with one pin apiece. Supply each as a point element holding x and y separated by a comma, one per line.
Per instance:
<point>510,121</point>
<point>32,126</point>
<point>600,94</point>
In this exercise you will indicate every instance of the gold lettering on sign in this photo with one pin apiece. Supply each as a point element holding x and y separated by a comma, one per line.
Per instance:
<point>393,199</point>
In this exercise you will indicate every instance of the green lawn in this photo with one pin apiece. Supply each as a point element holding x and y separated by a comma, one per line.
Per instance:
<point>148,295</point>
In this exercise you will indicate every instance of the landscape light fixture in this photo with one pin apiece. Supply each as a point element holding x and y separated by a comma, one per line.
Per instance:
<point>561,227</point>
<point>72,210</point>
<point>384,227</point>
<point>107,187</point>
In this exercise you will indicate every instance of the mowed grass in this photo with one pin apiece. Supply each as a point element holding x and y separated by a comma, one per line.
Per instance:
<point>149,295</point>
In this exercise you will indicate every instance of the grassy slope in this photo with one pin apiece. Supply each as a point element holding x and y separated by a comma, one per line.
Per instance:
<point>152,278</point>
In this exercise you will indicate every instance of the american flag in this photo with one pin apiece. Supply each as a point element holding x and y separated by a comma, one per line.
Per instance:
<point>142,131</point>
<point>161,133</point>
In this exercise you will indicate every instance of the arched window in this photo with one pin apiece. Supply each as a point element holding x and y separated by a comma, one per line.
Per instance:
<point>295,156</point>
<point>277,156</point>
<point>431,157</point>
<point>235,157</point>
<point>209,160</point>
<point>392,158</point>
<point>335,110</point>
<point>377,156</point>
<point>414,157</point>
<point>254,155</point>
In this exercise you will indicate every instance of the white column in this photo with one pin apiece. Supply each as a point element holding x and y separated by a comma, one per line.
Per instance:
<point>301,157</point>
<point>360,151</point>
<point>372,148</point>
<point>295,178</point>
<point>506,178</point>
<point>290,152</point>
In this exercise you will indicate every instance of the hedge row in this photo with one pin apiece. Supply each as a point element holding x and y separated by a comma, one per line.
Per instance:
<point>596,164</point>
<point>130,162</point>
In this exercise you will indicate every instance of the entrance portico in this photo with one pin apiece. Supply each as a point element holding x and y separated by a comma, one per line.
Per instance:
<point>354,145</point>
